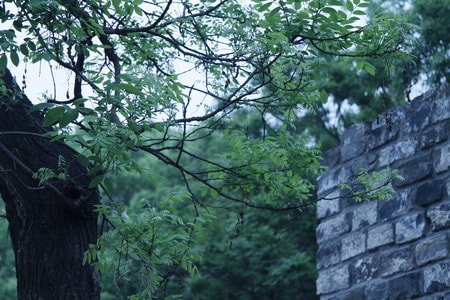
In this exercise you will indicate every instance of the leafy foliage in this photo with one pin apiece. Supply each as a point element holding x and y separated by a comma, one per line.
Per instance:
<point>359,94</point>
<point>373,186</point>
<point>130,61</point>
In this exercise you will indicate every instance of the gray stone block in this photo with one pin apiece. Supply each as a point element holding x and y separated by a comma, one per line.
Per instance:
<point>436,277</point>
<point>363,269</point>
<point>396,261</point>
<point>328,206</point>
<point>353,244</point>
<point>442,158</point>
<point>441,109</point>
<point>354,141</point>
<point>404,287</point>
<point>332,227</point>
<point>418,118</point>
<point>380,235</point>
<point>333,279</point>
<point>409,228</point>
<point>353,294</point>
<point>399,150</point>
<point>415,169</point>
<point>330,180</point>
<point>328,254</point>
<point>399,205</point>
<point>381,135</point>
<point>439,216</point>
<point>446,296</point>
<point>364,214</point>
<point>434,135</point>
<point>376,291</point>
<point>429,192</point>
<point>431,249</point>
<point>331,157</point>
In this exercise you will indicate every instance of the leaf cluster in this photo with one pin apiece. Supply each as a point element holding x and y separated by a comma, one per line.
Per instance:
<point>130,63</point>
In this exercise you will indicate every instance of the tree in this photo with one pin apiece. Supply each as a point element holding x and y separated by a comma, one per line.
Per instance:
<point>396,80</point>
<point>247,254</point>
<point>51,225</point>
<point>129,94</point>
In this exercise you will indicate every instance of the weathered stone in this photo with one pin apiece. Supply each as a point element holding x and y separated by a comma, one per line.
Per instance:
<point>329,205</point>
<point>432,249</point>
<point>391,118</point>
<point>399,205</point>
<point>331,228</point>
<point>400,150</point>
<point>353,244</point>
<point>361,163</point>
<point>357,293</point>
<point>330,180</point>
<point>439,216</point>
<point>354,141</point>
<point>395,261</point>
<point>333,279</point>
<point>331,157</point>
<point>429,192</point>
<point>441,109</point>
<point>409,228</point>
<point>437,277</point>
<point>363,269</point>
<point>415,169</point>
<point>405,286</point>
<point>381,135</point>
<point>442,158</point>
<point>429,297</point>
<point>419,117</point>
<point>397,249</point>
<point>380,235</point>
<point>376,291</point>
<point>364,214</point>
<point>434,135</point>
<point>446,296</point>
<point>328,254</point>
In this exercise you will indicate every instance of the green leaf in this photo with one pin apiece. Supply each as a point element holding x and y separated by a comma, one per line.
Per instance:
<point>108,184</point>
<point>335,3</point>
<point>359,12</point>
<point>14,58</point>
<point>24,49</point>
<point>31,45</point>
<point>323,96</point>
<point>265,7</point>
<point>96,181</point>
<point>329,10</point>
<point>69,116</point>
<point>364,5</point>
<point>3,62</point>
<point>53,116</point>
<point>40,106</point>
<point>359,65</point>
<point>369,68</point>
<point>83,160</point>
<point>349,5</point>
<point>128,88</point>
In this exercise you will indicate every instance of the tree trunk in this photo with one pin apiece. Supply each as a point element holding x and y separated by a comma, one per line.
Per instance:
<point>51,224</point>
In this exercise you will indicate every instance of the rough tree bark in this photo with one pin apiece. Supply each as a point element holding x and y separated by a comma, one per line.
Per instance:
<point>52,224</point>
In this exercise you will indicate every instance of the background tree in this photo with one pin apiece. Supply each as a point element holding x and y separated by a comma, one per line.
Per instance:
<point>355,95</point>
<point>129,94</point>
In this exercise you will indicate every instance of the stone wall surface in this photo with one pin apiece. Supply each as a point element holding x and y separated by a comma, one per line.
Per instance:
<point>395,249</point>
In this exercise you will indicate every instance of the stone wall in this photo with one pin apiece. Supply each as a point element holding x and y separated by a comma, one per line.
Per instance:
<point>396,249</point>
